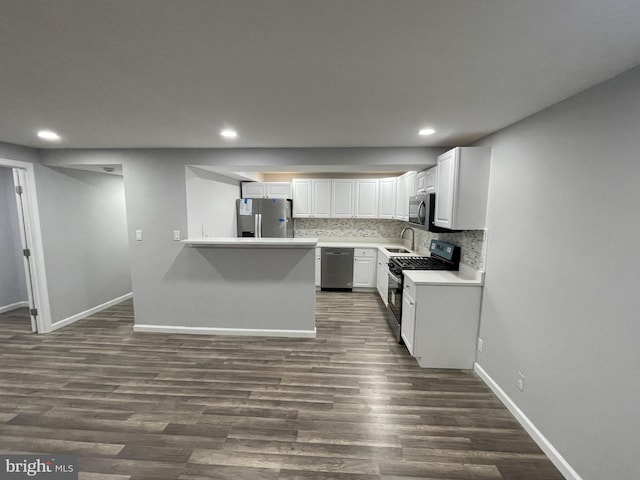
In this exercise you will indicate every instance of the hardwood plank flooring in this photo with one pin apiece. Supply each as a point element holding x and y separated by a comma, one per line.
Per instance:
<point>350,404</point>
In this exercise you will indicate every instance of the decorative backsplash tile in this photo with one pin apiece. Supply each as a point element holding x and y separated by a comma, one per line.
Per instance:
<point>471,242</point>
<point>347,227</point>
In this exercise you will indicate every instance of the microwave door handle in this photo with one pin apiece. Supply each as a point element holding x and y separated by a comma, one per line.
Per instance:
<point>422,214</point>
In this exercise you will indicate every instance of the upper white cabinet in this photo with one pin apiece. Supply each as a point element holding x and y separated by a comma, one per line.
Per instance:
<point>462,184</point>
<point>367,198</point>
<point>430,180</point>
<point>405,188</point>
<point>342,200</point>
<point>321,198</point>
<point>278,189</point>
<point>253,190</point>
<point>301,198</point>
<point>266,190</point>
<point>387,198</point>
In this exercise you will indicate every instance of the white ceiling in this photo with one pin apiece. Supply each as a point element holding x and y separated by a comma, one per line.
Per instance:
<point>293,73</point>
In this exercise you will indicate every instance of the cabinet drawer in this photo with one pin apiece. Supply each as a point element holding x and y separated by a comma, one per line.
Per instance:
<point>409,287</point>
<point>364,252</point>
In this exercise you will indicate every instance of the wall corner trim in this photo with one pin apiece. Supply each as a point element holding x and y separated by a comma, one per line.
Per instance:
<point>86,313</point>
<point>546,446</point>
<point>253,332</point>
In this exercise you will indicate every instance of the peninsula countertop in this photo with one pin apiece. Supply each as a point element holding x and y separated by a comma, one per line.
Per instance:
<point>250,242</point>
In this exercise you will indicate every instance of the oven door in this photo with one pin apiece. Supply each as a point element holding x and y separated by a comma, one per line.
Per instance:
<point>395,296</point>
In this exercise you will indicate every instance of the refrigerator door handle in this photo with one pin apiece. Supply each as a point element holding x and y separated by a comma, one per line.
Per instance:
<point>258,225</point>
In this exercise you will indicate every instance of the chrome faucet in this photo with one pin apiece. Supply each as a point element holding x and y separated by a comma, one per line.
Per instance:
<point>413,236</point>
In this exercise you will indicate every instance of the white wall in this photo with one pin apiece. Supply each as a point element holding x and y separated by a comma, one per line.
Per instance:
<point>561,302</point>
<point>83,221</point>
<point>211,204</point>
<point>13,285</point>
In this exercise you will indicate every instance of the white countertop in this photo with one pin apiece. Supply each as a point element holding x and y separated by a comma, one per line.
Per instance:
<point>232,242</point>
<point>466,276</point>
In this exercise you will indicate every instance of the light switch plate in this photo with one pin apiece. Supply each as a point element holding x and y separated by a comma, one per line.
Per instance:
<point>176,235</point>
<point>138,235</point>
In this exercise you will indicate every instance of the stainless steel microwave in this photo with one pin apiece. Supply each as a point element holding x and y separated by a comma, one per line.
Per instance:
<point>422,209</point>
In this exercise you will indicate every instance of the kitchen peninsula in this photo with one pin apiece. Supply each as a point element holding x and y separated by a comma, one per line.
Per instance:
<point>243,286</point>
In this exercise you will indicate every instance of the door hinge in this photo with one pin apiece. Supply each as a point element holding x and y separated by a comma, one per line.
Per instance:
<point>26,252</point>
<point>33,312</point>
<point>19,189</point>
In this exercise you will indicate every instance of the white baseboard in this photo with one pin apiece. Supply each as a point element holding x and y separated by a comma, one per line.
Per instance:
<point>14,306</point>
<point>546,446</point>
<point>253,332</point>
<point>86,313</point>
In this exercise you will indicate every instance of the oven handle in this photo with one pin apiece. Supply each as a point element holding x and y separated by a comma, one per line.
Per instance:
<point>396,279</point>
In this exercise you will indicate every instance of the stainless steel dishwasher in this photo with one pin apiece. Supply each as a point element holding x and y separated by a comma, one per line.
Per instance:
<point>337,268</point>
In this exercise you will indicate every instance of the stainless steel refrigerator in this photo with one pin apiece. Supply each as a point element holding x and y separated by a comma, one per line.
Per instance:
<point>264,217</point>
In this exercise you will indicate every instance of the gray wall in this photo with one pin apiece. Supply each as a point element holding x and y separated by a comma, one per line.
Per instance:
<point>83,221</point>
<point>13,286</point>
<point>565,185</point>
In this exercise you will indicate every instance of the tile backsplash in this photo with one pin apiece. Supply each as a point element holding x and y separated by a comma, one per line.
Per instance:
<point>471,242</point>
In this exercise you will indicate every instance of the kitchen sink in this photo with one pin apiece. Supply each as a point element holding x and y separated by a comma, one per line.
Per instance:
<point>397,250</point>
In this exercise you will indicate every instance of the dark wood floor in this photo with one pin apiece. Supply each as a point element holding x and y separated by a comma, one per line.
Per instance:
<point>348,405</point>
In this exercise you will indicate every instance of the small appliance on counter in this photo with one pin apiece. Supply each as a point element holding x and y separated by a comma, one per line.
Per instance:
<point>444,256</point>
<point>264,217</point>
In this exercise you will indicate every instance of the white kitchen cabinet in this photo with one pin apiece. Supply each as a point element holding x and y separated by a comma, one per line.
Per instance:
<point>266,190</point>
<point>301,198</point>
<point>462,185</point>
<point>405,188</point>
<point>408,324</point>
<point>364,267</point>
<point>410,179</point>
<point>318,266</point>
<point>366,198</point>
<point>420,181</point>
<point>430,180</point>
<point>440,323</point>
<point>387,198</point>
<point>382,278</point>
<point>278,190</point>
<point>321,198</point>
<point>342,198</point>
<point>253,190</point>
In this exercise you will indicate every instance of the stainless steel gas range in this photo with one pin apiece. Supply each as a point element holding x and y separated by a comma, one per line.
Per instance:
<point>444,256</point>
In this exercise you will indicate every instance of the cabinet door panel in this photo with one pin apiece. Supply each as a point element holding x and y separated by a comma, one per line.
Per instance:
<point>445,185</point>
<point>387,198</point>
<point>408,325</point>
<point>301,198</point>
<point>253,190</point>
<point>321,198</point>
<point>343,193</point>
<point>367,198</point>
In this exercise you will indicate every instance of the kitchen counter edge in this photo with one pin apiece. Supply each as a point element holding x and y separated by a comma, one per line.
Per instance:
<point>232,242</point>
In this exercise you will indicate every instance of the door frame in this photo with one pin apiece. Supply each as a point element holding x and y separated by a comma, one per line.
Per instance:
<point>34,240</point>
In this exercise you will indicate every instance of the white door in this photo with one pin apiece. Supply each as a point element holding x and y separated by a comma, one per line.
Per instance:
<point>364,271</point>
<point>387,198</point>
<point>410,178</point>
<point>321,198</point>
<point>318,266</point>
<point>301,198</point>
<point>445,186</point>
<point>24,225</point>
<point>402,203</point>
<point>343,193</point>
<point>367,198</point>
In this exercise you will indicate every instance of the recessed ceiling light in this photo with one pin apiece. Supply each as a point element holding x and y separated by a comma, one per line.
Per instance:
<point>426,131</point>
<point>228,133</point>
<point>48,135</point>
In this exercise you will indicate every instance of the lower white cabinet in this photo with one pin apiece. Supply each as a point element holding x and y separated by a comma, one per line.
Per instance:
<point>382,278</point>
<point>318,266</point>
<point>440,323</point>
<point>364,267</point>
<point>408,325</point>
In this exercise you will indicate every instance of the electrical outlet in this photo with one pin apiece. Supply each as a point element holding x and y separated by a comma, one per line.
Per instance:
<point>176,235</point>
<point>138,235</point>
<point>520,382</point>
<point>480,345</point>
